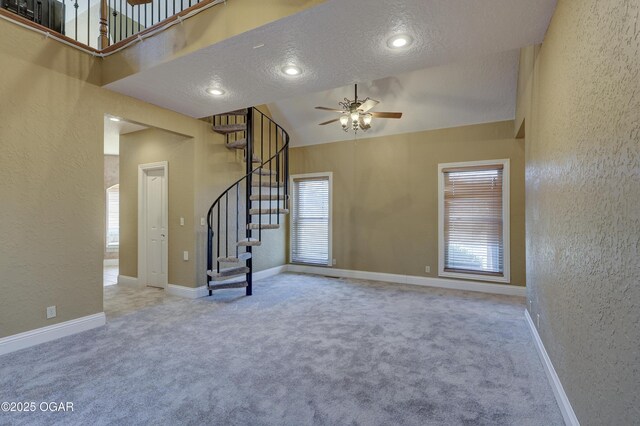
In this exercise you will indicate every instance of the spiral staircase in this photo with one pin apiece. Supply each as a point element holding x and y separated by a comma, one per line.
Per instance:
<point>252,204</point>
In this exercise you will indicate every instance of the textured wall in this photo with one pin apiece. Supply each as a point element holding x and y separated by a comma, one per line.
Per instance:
<point>51,168</point>
<point>583,205</point>
<point>385,194</point>
<point>150,146</point>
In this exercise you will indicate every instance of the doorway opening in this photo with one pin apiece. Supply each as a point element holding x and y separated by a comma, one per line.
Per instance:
<point>113,128</point>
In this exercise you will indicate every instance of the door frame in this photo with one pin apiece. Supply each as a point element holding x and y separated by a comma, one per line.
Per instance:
<point>142,218</point>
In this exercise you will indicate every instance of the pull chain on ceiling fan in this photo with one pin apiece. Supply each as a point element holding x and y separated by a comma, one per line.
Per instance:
<point>355,114</point>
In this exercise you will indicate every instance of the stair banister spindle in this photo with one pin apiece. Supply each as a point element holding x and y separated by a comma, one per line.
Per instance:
<point>120,21</point>
<point>103,39</point>
<point>270,167</point>
<point>226,225</point>
<point>249,162</point>
<point>88,22</point>
<point>218,238</point>
<point>237,217</point>
<point>260,177</point>
<point>209,246</point>
<point>75,33</point>
<point>286,181</point>
<point>277,176</point>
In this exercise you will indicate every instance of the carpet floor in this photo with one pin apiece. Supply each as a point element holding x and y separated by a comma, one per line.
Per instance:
<point>304,350</point>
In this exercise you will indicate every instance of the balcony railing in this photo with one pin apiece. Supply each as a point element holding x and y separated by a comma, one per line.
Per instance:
<point>101,23</point>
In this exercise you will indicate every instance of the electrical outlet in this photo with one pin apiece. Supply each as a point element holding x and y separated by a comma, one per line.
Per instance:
<point>427,269</point>
<point>51,312</point>
<point>333,262</point>
<point>203,222</point>
<point>538,320</point>
<point>185,255</point>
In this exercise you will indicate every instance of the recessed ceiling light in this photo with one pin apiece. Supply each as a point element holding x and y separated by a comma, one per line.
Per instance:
<point>114,119</point>
<point>399,41</point>
<point>291,70</point>
<point>215,91</point>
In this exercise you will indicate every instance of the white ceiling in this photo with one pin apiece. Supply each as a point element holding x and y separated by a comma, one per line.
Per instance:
<point>477,90</point>
<point>339,43</point>
<point>112,132</point>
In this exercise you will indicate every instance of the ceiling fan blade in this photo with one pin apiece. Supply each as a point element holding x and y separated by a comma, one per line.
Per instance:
<point>329,109</point>
<point>387,114</point>
<point>367,105</point>
<point>328,122</point>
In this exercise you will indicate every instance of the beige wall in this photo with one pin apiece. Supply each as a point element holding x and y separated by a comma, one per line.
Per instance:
<point>51,167</point>
<point>150,146</point>
<point>111,177</point>
<point>385,202</point>
<point>525,87</point>
<point>583,205</point>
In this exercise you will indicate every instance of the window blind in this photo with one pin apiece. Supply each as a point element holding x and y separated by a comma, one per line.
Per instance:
<point>473,222</point>
<point>113,216</point>
<point>310,221</point>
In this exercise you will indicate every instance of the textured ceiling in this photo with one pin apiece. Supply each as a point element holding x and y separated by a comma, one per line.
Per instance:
<point>337,43</point>
<point>479,90</point>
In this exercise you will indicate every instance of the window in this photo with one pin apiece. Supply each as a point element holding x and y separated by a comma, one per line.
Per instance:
<point>113,216</point>
<point>311,219</point>
<point>473,204</point>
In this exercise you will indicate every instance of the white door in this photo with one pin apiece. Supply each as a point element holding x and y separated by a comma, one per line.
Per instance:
<point>156,224</point>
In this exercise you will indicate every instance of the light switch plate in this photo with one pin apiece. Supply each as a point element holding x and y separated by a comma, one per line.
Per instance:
<point>203,222</point>
<point>185,255</point>
<point>182,221</point>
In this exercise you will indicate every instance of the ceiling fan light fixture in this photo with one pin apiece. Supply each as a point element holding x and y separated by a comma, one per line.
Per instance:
<point>291,70</point>
<point>355,113</point>
<point>399,41</point>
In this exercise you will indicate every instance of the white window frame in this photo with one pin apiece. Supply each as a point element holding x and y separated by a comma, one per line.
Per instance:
<point>506,278</point>
<point>328,175</point>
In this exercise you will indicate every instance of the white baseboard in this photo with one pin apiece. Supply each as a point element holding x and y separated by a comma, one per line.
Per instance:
<point>561,397</point>
<point>50,332</point>
<point>111,262</point>
<point>126,281</point>
<point>187,292</point>
<point>505,289</point>
<point>260,275</point>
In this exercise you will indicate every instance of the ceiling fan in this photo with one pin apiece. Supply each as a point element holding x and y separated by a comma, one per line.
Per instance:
<point>357,111</point>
